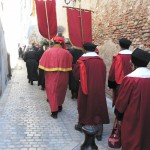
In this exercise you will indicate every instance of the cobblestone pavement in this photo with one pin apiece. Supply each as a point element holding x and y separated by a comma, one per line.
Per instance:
<point>25,122</point>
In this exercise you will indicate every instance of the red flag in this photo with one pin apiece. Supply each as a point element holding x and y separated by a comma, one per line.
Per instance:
<point>79,26</point>
<point>46,16</point>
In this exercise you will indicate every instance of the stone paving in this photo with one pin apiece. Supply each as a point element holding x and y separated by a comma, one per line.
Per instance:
<point>25,122</point>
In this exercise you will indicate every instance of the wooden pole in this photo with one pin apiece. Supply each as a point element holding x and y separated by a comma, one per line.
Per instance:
<point>77,8</point>
<point>81,23</point>
<point>47,20</point>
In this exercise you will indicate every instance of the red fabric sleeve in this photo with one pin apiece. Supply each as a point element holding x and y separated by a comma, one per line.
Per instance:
<point>116,72</point>
<point>119,71</point>
<point>83,77</point>
<point>111,76</point>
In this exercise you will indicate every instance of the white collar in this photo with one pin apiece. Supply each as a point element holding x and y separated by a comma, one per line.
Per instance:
<point>90,54</point>
<point>141,72</point>
<point>126,51</point>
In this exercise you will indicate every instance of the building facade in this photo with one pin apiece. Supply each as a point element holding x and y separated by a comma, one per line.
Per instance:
<point>3,61</point>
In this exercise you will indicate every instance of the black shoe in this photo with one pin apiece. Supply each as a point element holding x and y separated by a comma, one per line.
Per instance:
<point>98,137</point>
<point>54,115</point>
<point>76,95</point>
<point>31,82</point>
<point>72,97</point>
<point>78,127</point>
<point>42,88</point>
<point>72,94</point>
<point>59,108</point>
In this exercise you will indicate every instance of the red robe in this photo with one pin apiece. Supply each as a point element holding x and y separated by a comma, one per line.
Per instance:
<point>134,101</point>
<point>92,106</point>
<point>56,62</point>
<point>120,67</point>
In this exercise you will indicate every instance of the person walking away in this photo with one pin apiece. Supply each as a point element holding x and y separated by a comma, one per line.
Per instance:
<point>120,67</point>
<point>56,62</point>
<point>41,79</point>
<point>9,75</point>
<point>30,57</point>
<point>73,83</point>
<point>91,71</point>
<point>20,52</point>
<point>132,104</point>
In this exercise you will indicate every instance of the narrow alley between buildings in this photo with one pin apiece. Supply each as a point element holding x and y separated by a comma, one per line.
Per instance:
<point>25,120</point>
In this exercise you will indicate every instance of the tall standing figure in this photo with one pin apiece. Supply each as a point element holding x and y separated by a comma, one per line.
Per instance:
<point>30,57</point>
<point>120,67</point>
<point>56,62</point>
<point>91,71</point>
<point>132,104</point>
<point>73,83</point>
<point>41,79</point>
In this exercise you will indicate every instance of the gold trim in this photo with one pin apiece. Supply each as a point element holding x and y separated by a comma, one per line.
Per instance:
<point>55,69</point>
<point>57,45</point>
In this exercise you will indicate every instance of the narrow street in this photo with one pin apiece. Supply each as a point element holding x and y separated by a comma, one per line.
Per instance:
<point>25,122</point>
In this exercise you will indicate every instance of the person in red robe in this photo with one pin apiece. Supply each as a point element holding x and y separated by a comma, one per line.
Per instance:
<point>132,104</point>
<point>56,62</point>
<point>120,67</point>
<point>90,70</point>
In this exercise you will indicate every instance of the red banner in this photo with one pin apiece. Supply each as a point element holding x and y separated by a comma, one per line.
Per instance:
<point>46,16</point>
<point>79,26</point>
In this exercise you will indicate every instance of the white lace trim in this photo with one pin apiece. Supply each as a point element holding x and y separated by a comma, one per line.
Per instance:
<point>126,51</point>
<point>141,72</point>
<point>90,54</point>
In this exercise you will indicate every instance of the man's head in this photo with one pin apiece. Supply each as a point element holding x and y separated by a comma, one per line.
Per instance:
<point>124,43</point>
<point>59,40</point>
<point>68,44</point>
<point>140,58</point>
<point>89,47</point>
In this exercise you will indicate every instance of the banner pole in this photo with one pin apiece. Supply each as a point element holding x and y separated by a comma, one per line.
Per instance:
<point>47,20</point>
<point>77,8</point>
<point>81,22</point>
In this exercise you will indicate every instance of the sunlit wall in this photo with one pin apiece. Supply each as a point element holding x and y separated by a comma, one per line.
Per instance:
<point>11,25</point>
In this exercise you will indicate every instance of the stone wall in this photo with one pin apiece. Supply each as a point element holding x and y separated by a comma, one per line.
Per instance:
<point>3,61</point>
<point>122,18</point>
<point>113,20</point>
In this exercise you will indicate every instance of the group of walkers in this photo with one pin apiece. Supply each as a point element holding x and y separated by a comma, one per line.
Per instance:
<point>32,56</point>
<point>129,78</point>
<point>85,71</point>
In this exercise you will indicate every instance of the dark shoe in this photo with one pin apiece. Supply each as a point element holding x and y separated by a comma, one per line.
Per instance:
<point>72,97</point>
<point>78,127</point>
<point>98,137</point>
<point>59,108</point>
<point>72,94</point>
<point>42,88</point>
<point>47,100</point>
<point>31,82</point>
<point>54,115</point>
<point>76,96</point>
